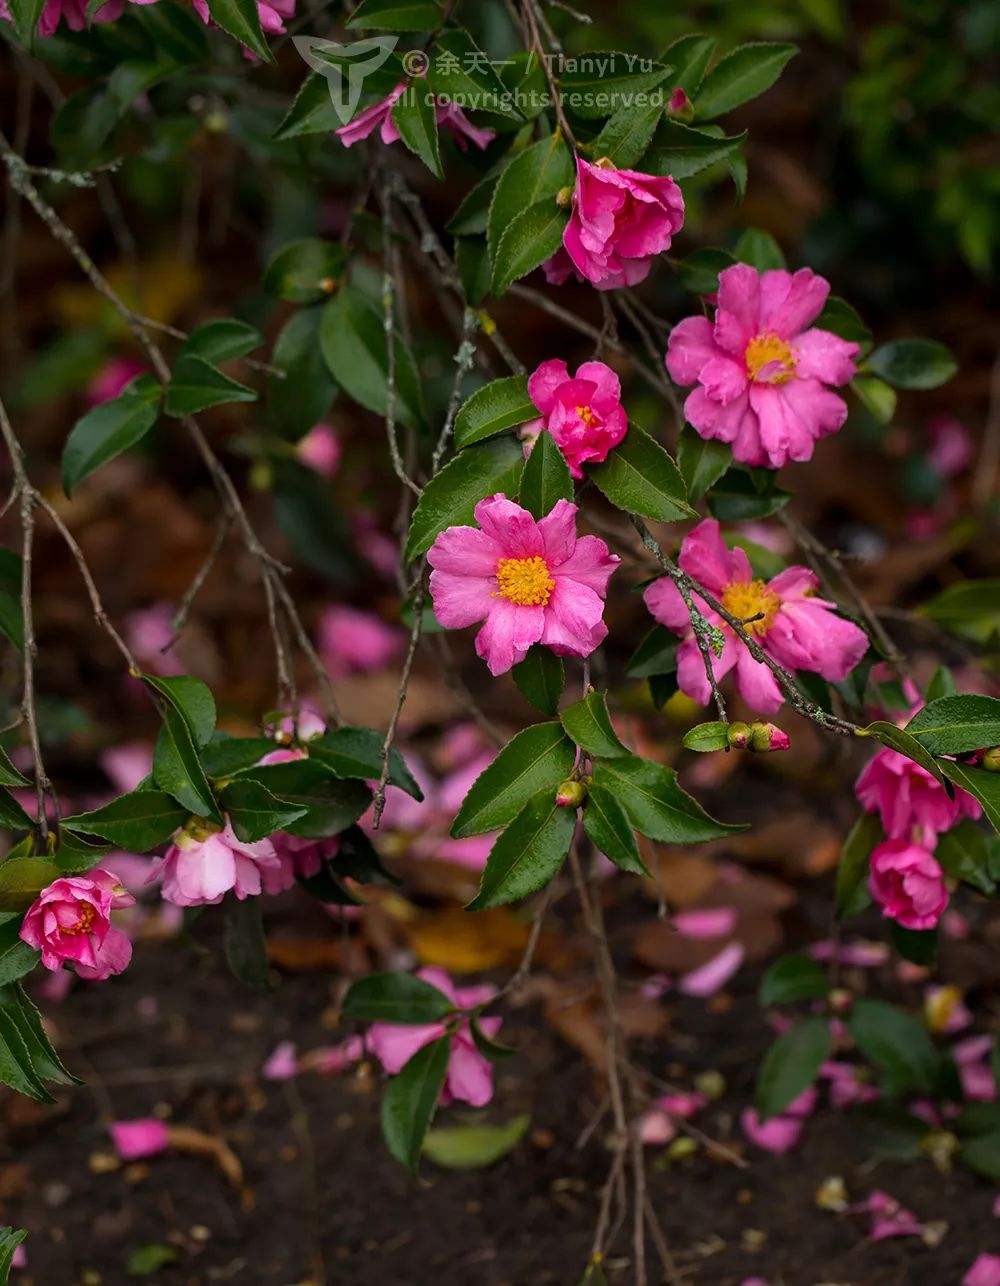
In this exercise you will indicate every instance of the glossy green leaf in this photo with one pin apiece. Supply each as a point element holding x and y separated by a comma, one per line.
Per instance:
<point>913,363</point>
<point>599,82</point>
<point>222,340</point>
<point>701,461</point>
<point>970,608</point>
<point>197,385</point>
<point>395,998</point>
<point>304,272</point>
<point>255,813</point>
<point>541,677</point>
<point>244,942</point>
<point>332,804</point>
<point>533,176</point>
<point>12,815</point>
<point>396,15</point>
<point>109,429</point>
<point>794,977</point>
<point>531,237</point>
<point>357,752</point>
<point>411,1099</point>
<point>899,739</point>
<point>460,72</point>
<point>415,116</point>
<point>639,477</point>
<point>546,478</point>
<point>985,786</point>
<point>177,768</point>
<point>538,758</point>
<point>742,74</point>
<point>656,654</point>
<point>528,853</point>
<point>689,56</point>
<point>897,1043</point>
<point>955,724</point>
<point>627,134</point>
<point>588,724</point>
<point>967,853</point>
<point>760,250</point>
<point>136,822</point>
<point>791,1065</point>
<point>311,111</point>
<point>878,399</point>
<point>699,273</point>
<point>474,1147</point>
<point>681,151</point>
<point>302,398</point>
<point>738,497</point>
<point>707,736</point>
<point>11,623</point>
<point>9,775</point>
<point>16,957</point>
<point>191,698</point>
<point>608,828</point>
<point>241,19</point>
<point>656,806</point>
<point>501,404</point>
<point>852,870</point>
<point>23,878</point>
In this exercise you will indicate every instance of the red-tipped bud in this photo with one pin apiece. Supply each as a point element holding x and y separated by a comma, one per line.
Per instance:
<point>571,794</point>
<point>679,104</point>
<point>738,735</point>
<point>991,759</point>
<point>767,736</point>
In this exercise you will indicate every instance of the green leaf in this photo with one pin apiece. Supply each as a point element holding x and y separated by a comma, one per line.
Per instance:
<point>11,623</point>
<point>222,340</point>
<point>302,271</point>
<point>744,73</point>
<point>610,831</point>
<point>598,83</point>
<point>223,755</point>
<point>537,759</point>
<point>689,56</point>
<point>16,957</point>
<point>738,497</point>
<point>109,429</point>
<point>913,363</point>
<point>843,319</point>
<point>954,724</point>
<point>588,723</point>
<point>23,878</point>
<point>656,806</point>
<point>177,768</point>
<point>311,111</point>
<point>982,1154</point>
<point>136,822</point>
<point>460,72</point>
<point>878,399</point>
<point>12,815</point>
<point>396,15</point>
<point>10,1238</point>
<point>197,385</point>
<point>942,684</point>
<point>699,273</point>
<point>985,786</point>
<point>898,1045</point>
<point>541,677</point>
<point>352,337</point>
<point>16,1067</point>
<point>474,1147</point>
<point>144,1261</point>
<point>395,998</point>
<point>357,752</point>
<point>332,804</point>
<point>501,404</point>
<point>701,461</point>
<point>28,1021</point>
<point>303,397</point>
<point>411,1099</point>
<point>489,1048</point>
<point>680,151</point>
<point>9,775</point>
<point>760,250</point>
<point>707,736</point>
<point>255,813</point>
<point>191,698</point>
<point>791,1065</point>
<point>791,978</point>
<point>627,134</point>
<point>76,853</point>
<point>852,870</point>
<point>528,853</point>
<point>656,654</point>
<point>966,853</point>
<point>24,15</point>
<point>415,116</point>
<point>240,18</point>
<point>472,259</point>
<point>450,497</point>
<point>533,176</point>
<point>530,238</point>
<point>639,477</point>
<point>546,478</point>
<point>902,741</point>
<point>970,608</point>
<point>469,220</point>
<point>244,942</point>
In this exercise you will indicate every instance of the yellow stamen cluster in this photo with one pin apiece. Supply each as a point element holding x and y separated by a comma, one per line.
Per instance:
<point>762,351</point>
<point>589,417</point>
<point>744,599</point>
<point>525,581</point>
<point>83,924</point>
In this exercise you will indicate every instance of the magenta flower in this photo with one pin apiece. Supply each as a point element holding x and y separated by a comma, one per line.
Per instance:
<point>379,117</point>
<point>70,923</point>
<point>621,219</point>
<point>985,1271</point>
<point>532,582</point>
<point>470,1074</point>
<point>205,861</point>
<point>74,12</point>
<point>144,1137</point>
<point>907,796</point>
<point>584,414</point>
<point>761,375</point>
<point>354,642</point>
<point>907,883</point>
<point>800,631</point>
<point>112,378</point>
<point>320,450</point>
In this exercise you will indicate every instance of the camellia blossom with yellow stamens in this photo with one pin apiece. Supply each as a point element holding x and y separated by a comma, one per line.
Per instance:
<point>798,630</point>
<point>584,413</point>
<point>70,923</point>
<point>529,582</point>
<point>761,375</point>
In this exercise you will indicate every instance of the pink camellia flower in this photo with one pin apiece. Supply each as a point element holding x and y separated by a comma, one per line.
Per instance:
<point>470,1074</point>
<point>144,1137</point>
<point>204,862</point>
<point>297,858</point>
<point>906,796</point>
<point>354,642</point>
<point>761,374</point>
<point>70,923</point>
<point>379,117</point>
<point>531,581</point>
<point>779,1134</point>
<point>621,220</point>
<point>985,1271</point>
<point>584,414</point>
<point>800,631</point>
<point>74,12</point>
<point>320,450</point>
<point>907,883</point>
<point>114,375</point>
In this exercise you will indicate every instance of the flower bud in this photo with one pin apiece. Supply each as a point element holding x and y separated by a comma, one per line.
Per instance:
<point>739,735</point>
<point>571,794</point>
<point>991,760</point>
<point>767,736</point>
<point>564,197</point>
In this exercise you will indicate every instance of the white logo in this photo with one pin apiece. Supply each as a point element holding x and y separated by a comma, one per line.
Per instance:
<point>345,67</point>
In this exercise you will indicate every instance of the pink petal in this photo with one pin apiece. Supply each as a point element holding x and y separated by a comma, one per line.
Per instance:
<point>544,382</point>
<point>512,528</point>
<point>510,630</point>
<point>714,975</point>
<point>708,922</point>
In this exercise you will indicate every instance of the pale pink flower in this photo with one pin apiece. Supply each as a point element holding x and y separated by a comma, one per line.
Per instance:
<point>352,641</point>
<point>907,883</point>
<point>297,858</point>
<point>621,219</point>
<point>532,581</point>
<point>144,1137</point>
<point>379,117</point>
<point>761,375</point>
<point>117,372</point>
<point>320,450</point>
<point>282,1063</point>
<point>779,1134</point>
<point>70,923</point>
<point>713,976</point>
<point>200,868</point>
<point>584,413</point>
<point>148,631</point>
<point>19,1259</point>
<point>470,1074</point>
<point>797,629</point>
<point>985,1271</point>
